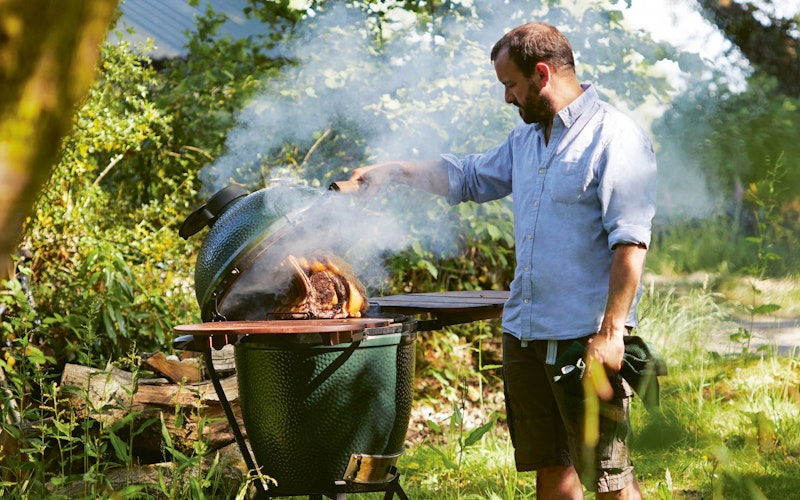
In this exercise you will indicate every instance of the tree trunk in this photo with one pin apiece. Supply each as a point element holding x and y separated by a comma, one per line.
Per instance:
<point>48,53</point>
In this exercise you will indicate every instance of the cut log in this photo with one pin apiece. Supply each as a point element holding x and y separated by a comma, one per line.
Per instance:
<point>189,410</point>
<point>178,371</point>
<point>223,359</point>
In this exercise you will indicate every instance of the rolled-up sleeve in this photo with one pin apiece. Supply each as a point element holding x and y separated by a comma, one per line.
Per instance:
<point>480,178</point>
<point>628,187</point>
<point>455,175</point>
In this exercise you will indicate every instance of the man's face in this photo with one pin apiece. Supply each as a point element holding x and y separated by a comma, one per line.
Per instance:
<point>523,92</point>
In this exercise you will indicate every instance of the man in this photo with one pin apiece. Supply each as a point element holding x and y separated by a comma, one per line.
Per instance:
<point>582,176</point>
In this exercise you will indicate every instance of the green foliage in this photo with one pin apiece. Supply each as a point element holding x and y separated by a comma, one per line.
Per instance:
<point>119,123</point>
<point>105,228</point>
<point>757,269</point>
<point>709,426</point>
<point>719,426</point>
<point>92,227</point>
<point>53,449</point>
<point>186,468</point>
<point>683,247</point>
<point>736,138</point>
<point>463,439</point>
<point>487,472</point>
<point>476,253</point>
<point>109,274</point>
<point>723,245</point>
<point>664,490</point>
<point>203,92</point>
<point>736,144</point>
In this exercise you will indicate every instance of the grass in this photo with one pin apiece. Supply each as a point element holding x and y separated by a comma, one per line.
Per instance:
<point>728,429</point>
<point>728,426</point>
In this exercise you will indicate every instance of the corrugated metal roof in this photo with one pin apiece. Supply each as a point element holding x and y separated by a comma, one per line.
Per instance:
<point>166,22</point>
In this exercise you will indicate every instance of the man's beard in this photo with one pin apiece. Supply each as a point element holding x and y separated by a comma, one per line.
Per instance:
<point>536,110</point>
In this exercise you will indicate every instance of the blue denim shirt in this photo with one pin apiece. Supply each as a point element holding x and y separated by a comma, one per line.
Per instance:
<point>592,187</point>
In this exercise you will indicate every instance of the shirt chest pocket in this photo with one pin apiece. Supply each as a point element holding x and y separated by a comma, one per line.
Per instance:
<point>568,180</point>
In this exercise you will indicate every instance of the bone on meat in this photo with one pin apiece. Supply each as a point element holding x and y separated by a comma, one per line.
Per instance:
<point>322,289</point>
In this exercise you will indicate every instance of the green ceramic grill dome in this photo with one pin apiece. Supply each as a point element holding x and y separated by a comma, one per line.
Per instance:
<point>239,233</point>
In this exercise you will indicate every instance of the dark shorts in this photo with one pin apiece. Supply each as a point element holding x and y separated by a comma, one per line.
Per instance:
<point>548,428</point>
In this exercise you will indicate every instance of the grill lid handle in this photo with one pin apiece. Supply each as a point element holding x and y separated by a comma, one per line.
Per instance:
<point>208,212</point>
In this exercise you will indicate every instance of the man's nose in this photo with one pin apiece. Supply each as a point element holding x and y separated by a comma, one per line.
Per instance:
<point>508,97</point>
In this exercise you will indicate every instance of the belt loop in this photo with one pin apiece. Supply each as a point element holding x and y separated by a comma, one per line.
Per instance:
<point>552,352</point>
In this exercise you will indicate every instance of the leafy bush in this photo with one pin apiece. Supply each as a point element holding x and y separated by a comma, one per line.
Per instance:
<point>108,269</point>
<point>100,251</point>
<point>743,147</point>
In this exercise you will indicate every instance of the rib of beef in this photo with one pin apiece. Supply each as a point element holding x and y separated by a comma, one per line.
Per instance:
<point>322,287</point>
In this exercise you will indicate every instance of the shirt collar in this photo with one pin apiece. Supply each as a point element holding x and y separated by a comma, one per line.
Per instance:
<point>577,107</point>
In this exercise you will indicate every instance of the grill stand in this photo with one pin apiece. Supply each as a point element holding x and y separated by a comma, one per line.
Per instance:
<point>339,489</point>
<point>447,308</point>
<point>258,481</point>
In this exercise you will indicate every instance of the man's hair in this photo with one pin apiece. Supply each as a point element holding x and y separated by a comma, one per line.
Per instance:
<point>533,43</point>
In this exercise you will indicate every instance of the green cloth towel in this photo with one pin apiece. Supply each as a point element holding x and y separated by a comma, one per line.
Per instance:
<point>641,366</point>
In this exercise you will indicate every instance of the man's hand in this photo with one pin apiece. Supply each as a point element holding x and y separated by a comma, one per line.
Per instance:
<point>604,357</point>
<point>372,178</point>
<point>607,349</point>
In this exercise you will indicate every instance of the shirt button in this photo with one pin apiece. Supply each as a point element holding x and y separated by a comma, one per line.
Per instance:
<point>542,170</point>
<point>530,236</point>
<point>527,268</point>
<point>527,300</point>
<point>536,203</point>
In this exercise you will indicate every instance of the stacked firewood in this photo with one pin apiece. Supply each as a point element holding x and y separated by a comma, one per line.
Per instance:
<point>166,389</point>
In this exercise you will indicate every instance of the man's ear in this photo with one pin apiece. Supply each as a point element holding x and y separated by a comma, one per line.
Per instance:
<point>542,73</point>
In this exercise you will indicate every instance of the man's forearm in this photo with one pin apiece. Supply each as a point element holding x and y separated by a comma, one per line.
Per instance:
<point>428,175</point>
<point>607,347</point>
<point>626,271</point>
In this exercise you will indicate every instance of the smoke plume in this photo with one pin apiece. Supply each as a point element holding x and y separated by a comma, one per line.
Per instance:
<point>338,75</point>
